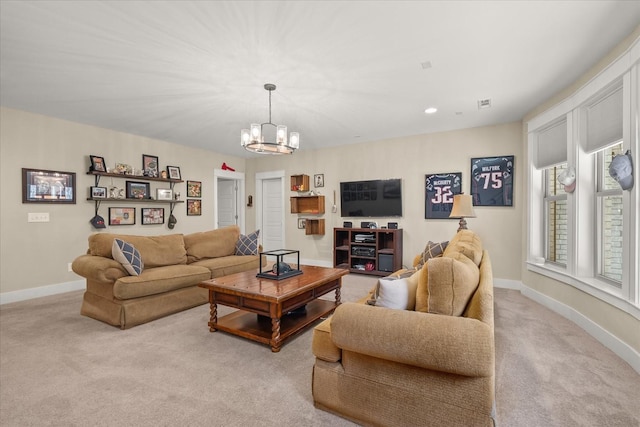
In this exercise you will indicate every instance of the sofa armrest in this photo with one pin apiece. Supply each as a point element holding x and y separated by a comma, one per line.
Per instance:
<point>100,269</point>
<point>457,345</point>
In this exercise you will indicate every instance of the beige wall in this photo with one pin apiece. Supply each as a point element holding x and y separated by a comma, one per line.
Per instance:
<point>611,319</point>
<point>36,254</point>
<point>411,158</point>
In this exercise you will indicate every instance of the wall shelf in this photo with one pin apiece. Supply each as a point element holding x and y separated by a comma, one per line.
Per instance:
<point>299,182</point>
<point>307,204</point>
<point>314,226</point>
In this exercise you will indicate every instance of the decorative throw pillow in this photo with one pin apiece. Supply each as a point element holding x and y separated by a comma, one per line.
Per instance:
<point>248,245</point>
<point>128,256</point>
<point>397,293</point>
<point>432,250</point>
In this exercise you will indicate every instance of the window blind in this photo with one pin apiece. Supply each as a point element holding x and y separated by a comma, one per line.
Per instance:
<point>552,146</point>
<point>604,122</point>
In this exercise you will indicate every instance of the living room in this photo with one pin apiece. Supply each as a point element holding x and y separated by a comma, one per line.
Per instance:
<point>35,256</point>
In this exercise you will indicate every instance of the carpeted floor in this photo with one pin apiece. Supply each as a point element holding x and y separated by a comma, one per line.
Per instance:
<point>59,368</point>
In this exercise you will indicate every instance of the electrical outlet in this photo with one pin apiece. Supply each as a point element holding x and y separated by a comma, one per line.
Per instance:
<point>69,267</point>
<point>38,217</point>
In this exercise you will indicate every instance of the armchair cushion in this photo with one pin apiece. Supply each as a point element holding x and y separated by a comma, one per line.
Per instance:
<point>458,345</point>
<point>446,285</point>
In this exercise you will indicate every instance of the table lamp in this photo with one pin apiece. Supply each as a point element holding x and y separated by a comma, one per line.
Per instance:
<point>462,208</point>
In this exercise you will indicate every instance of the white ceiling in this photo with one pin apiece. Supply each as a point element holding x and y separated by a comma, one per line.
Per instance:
<point>193,72</point>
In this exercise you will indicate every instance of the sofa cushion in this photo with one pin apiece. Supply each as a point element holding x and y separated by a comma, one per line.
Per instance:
<point>155,250</point>
<point>211,244</point>
<point>446,285</point>
<point>432,250</point>
<point>127,255</point>
<point>467,243</point>
<point>397,292</point>
<point>159,280</point>
<point>248,245</point>
<point>226,265</point>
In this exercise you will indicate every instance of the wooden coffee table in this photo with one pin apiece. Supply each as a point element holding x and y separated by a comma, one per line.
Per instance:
<point>271,311</point>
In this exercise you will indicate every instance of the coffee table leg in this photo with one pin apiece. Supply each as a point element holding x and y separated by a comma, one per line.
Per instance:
<point>275,335</point>
<point>213,319</point>
<point>338,296</point>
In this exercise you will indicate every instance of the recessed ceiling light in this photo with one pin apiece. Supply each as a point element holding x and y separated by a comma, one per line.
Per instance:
<point>426,65</point>
<point>430,110</point>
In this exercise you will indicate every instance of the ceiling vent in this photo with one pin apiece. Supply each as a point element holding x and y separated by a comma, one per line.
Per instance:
<point>484,103</point>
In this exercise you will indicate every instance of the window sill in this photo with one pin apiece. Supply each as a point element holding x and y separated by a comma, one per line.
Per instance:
<point>589,285</point>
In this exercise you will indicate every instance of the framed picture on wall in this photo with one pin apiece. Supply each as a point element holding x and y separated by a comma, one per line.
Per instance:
<point>194,189</point>
<point>194,207</point>
<point>174,172</point>
<point>492,181</point>
<point>439,191</point>
<point>152,216</point>
<point>46,186</point>
<point>122,216</point>
<point>150,165</point>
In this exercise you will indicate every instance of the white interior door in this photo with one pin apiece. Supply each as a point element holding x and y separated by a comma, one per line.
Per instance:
<point>228,190</point>
<point>227,202</point>
<point>270,196</point>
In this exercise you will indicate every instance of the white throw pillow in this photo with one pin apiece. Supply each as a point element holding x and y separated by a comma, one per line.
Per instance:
<point>399,294</point>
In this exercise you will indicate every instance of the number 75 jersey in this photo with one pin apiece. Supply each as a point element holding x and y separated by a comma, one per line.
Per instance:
<point>492,181</point>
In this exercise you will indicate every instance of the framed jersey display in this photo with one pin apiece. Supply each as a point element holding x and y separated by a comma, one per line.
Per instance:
<point>439,191</point>
<point>492,181</point>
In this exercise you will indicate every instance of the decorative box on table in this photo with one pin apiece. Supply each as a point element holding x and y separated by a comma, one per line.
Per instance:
<point>280,269</point>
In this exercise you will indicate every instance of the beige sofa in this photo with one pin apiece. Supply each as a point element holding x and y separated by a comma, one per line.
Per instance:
<point>173,266</point>
<point>394,367</point>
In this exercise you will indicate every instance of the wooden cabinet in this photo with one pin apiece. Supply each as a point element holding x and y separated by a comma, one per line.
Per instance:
<point>314,226</point>
<point>367,250</point>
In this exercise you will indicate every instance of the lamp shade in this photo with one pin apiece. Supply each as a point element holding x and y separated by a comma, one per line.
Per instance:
<point>462,206</point>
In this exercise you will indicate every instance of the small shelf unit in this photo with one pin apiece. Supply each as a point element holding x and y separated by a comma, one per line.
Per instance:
<point>299,182</point>
<point>307,204</point>
<point>367,251</point>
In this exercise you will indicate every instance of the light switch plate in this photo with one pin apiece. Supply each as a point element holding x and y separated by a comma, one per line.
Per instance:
<point>38,217</point>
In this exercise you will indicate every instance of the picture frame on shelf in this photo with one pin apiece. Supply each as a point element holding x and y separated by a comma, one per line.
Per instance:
<point>123,169</point>
<point>302,223</point>
<point>194,207</point>
<point>174,172</point>
<point>138,190</point>
<point>151,216</point>
<point>122,216</point>
<point>48,186</point>
<point>194,189</point>
<point>164,194</point>
<point>318,180</point>
<point>97,164</point>
<point>150,166</point>
<point>98,192</point>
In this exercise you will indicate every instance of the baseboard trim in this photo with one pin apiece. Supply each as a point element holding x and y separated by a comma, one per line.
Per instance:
<point>507,284</point>
<point>613,343</point>
<point>42,291</point>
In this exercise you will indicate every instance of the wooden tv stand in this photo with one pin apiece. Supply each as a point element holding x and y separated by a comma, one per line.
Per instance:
<point>379,255</point>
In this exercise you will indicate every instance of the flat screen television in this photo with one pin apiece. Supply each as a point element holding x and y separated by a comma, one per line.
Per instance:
<point>371,199</point>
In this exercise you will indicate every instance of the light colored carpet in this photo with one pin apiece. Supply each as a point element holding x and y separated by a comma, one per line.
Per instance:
<point>62,369</point>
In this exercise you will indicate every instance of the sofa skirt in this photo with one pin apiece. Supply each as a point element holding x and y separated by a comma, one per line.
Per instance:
<point>132,312</point>
<point>373,403</point>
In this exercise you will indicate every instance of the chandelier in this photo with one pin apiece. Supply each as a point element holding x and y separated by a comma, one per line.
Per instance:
<point>268,138</point>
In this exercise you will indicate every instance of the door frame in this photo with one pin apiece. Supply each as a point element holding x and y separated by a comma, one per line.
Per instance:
<point>260,176</point>
<point>239,178</point>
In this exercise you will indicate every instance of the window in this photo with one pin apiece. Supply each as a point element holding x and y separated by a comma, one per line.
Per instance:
<point>555,203</point>
<point>609,218</point>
